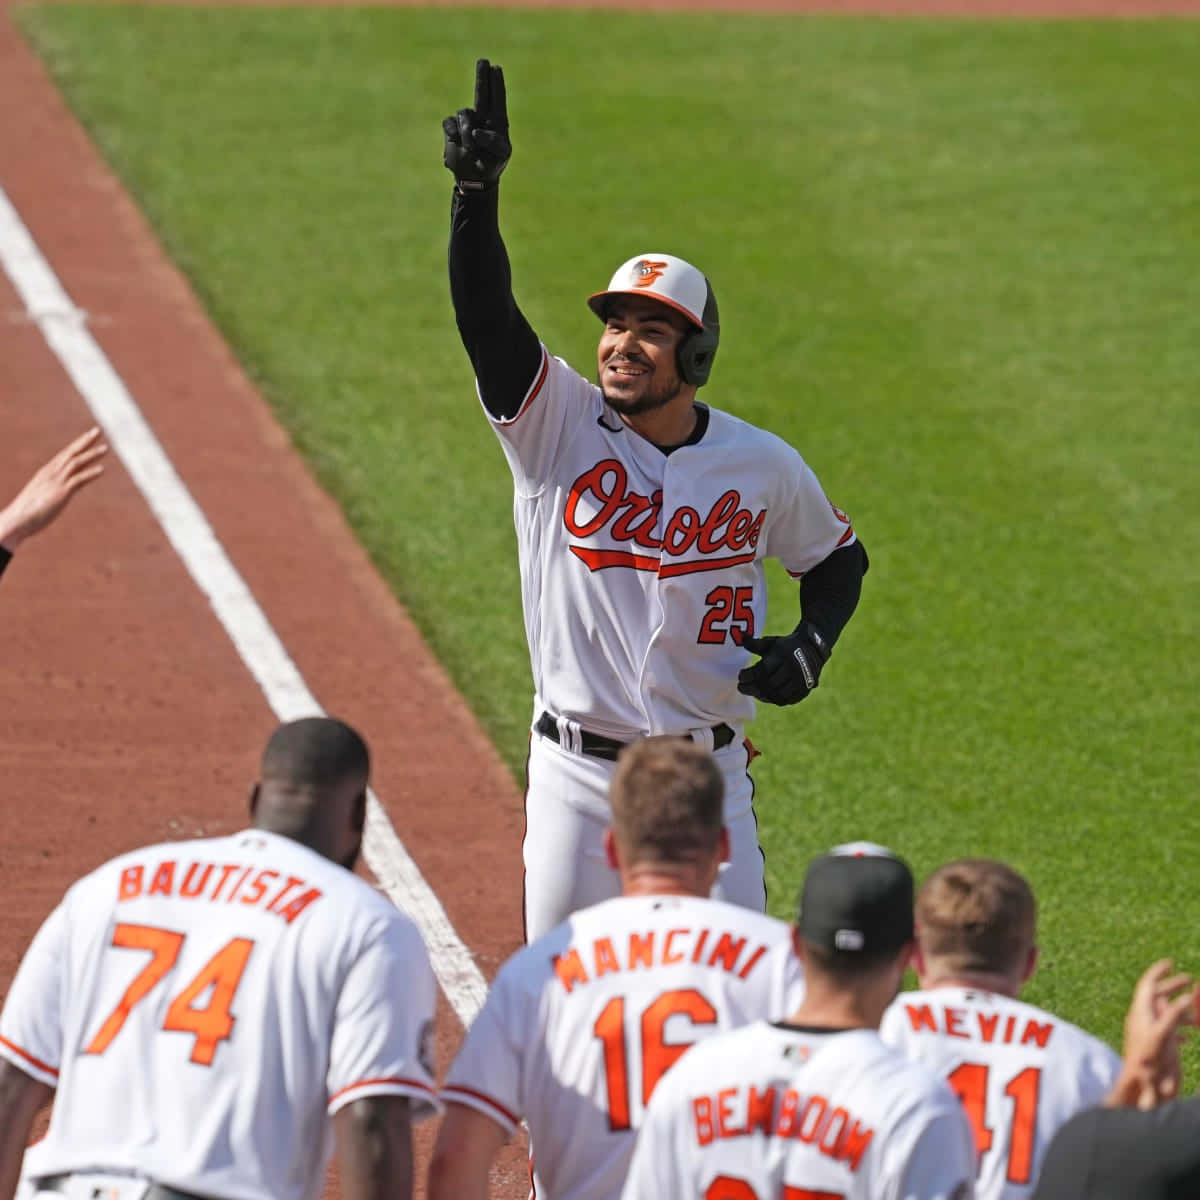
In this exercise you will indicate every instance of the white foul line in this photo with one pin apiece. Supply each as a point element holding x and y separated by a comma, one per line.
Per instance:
<point>64,328</point>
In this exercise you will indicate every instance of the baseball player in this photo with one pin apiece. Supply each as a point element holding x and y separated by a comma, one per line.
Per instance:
<point>41,500</point>
<point>815,1107</point>
<point>1019,1071</point>
<point>210,1015</point>
<point>643,521</point>
<point>580,1025</point>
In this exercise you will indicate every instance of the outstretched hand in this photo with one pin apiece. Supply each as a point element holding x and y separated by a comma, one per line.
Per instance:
<point>1150,1070</point>
<point>477,147</point>
<point>47,493</point>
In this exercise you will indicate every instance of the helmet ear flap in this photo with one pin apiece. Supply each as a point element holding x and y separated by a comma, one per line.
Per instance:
<point>699,346</point>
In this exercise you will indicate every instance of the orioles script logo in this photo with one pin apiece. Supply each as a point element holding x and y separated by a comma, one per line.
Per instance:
<point>602,499</point>
<point>646,271</point>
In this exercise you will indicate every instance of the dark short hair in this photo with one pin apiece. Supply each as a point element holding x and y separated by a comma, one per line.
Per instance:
<point>845,966</point>
<point>668,799</point>
<point>314,753</point>
<point>976,914</point>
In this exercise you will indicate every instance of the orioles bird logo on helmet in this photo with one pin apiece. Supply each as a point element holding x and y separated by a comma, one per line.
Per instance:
<point>646,271</point>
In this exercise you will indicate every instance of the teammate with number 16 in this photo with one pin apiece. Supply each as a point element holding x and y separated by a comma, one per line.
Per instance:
<point>643,521</point>
<point>580,1026</point>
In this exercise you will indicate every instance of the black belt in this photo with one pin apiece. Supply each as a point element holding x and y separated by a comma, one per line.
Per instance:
<point>599,746</point>
<point>156,1191</point>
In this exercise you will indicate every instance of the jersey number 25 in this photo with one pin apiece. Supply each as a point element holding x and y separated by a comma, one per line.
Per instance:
<point>729,615</point>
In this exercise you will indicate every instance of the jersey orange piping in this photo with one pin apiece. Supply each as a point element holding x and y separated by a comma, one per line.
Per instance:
<point>841,542</point>
<point>398,1080</point>
<point>535,389</point>
<point>449,1091</point>
<point>36,1062</point>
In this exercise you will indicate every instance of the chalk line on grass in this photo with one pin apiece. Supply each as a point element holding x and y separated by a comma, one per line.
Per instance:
<point>64,327</point>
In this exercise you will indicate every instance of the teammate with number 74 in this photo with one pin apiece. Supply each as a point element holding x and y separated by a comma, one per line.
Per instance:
<point>210,1015</point>
<point>643,520</point>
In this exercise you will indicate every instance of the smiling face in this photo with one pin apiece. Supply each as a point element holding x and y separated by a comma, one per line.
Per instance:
<point>636,357</point>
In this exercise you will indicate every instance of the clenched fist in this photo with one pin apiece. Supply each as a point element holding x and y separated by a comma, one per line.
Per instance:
<point>790,666</point>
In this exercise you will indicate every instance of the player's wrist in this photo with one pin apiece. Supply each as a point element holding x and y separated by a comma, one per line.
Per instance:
<point>11,534</point>
<point>1127,1089</point>
<point>815,640</point>
<point>474,187</point>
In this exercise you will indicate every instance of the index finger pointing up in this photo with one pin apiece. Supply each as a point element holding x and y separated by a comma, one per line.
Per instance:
<point>483,85</point>
<point>499,108</point>
<point>490,100</point>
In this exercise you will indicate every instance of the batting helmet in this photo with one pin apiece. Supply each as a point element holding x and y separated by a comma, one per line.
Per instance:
<point>680,286</point>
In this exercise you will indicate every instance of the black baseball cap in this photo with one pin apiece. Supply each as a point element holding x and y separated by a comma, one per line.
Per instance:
<point>857,900</point>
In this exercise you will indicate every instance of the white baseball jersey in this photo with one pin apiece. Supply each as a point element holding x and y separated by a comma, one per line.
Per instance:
<point>204,1007</point>
<point>1019,1072</point>
<point>580,1025</point>
<point>773,1112</point>
<point>641,571</point>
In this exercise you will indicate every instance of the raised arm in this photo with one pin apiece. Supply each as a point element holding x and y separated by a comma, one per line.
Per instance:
<point>504,350</point>
<point>41,500</point>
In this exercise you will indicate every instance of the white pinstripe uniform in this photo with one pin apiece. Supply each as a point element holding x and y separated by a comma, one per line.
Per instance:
<point>203,1009</point>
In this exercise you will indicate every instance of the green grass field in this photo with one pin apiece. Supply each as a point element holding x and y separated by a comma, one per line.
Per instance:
<point>957,268</point>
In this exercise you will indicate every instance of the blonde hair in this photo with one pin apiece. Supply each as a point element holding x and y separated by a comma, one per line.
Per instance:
<point>976,915</point>
<point>668,800</point>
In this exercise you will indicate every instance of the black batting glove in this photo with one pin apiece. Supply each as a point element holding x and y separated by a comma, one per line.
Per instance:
<point>790,666</point>
<point>477,146</point>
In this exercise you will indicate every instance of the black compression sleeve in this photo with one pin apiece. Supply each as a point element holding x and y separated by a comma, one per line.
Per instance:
<point>829,592</point>
<point>5,556</point>
<point>503,348</point>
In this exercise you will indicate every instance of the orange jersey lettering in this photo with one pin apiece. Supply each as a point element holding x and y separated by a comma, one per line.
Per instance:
<point>173,879</point>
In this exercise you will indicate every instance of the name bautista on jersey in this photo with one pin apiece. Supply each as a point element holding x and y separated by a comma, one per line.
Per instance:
<point>606,956</point>
<point>207,881</point>
<point>741,1111</point>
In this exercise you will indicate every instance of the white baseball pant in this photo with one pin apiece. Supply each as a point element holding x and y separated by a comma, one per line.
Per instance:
<point>566,814</point>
